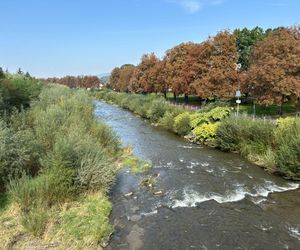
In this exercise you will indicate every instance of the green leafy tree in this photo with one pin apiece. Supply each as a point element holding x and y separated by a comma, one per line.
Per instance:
<point>246,39</point>
<point>28,75</point>
<point>20,72</point>
<point>2,75</point>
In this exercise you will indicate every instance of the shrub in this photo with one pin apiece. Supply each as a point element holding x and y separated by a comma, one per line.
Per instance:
<point>157,110</point>
<point>182,124</point>
<point>167,121</point>
<point>54,185</point>
<point>288,147</point>
<point>205,133</point>
<point>198,119</point>
<point>215,114</point>
<point>245,135</point>
<point>18,92</point>
<point>18,153</point>
<point>96,172</point>
<point>284,122</point>
<point>218,113</point>
<point>106,137</point>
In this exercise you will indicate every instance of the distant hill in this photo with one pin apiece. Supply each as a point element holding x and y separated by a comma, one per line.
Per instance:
<point>104,77</point>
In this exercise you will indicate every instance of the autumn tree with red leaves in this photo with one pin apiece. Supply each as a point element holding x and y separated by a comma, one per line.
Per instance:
<point>76,81</point>
<point>114,78</point>
<point>274,74</point>
<point>143,77</point>
<point>218,77</point>
<point>179,61</point>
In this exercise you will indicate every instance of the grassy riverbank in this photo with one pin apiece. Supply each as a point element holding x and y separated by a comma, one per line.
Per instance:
<point>272,144</point>
<point>57,164</point>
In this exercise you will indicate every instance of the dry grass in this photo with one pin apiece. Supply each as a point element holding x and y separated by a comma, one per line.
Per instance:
<point>82,224</point>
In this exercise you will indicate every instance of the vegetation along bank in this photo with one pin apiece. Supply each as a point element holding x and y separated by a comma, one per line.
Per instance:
<point>57,164</point>
<point>272,144</point>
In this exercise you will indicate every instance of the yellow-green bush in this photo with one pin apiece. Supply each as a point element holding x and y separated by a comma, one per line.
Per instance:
<point>182,124</point>
<point>215,114</point>
<point>198,119</point>
<point>205,133</point>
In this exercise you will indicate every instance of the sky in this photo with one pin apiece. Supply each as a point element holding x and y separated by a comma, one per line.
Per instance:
<point>88,37</point>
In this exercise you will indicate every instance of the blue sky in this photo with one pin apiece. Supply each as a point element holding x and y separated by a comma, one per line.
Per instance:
<point>60,37</point>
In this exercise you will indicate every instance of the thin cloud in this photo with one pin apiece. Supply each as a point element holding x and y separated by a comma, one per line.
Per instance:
<point>193,6</point>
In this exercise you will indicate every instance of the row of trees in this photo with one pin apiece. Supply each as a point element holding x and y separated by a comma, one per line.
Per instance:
<point>265,65</point>
<point>76,81</point>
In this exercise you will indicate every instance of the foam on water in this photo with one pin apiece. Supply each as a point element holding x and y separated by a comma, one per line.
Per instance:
<point>191,198</point>
<point>205,164</point>
<point>150,213</point>
<point>294,232</point>
<point>183,146</point>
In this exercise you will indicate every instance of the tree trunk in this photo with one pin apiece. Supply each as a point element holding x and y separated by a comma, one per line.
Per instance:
<point>175,98</point>
<point>281,106</point>
<point>281,110</point>
<point>200,99</point>
<point>165,95</point>
<point>186,98</point>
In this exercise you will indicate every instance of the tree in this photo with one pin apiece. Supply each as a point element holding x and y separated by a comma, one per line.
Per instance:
<point>217,75</point>
<point>76,81</point>
<point>19,71</point>
<point>179,61</point>
<point>126,72</point>
<point>2,75</point>
<point>142,80</point>
<point>274,74</point>
<point>159,74</point>
<point>28,75</point>
<point>246,39</point>
<point>114,78</point>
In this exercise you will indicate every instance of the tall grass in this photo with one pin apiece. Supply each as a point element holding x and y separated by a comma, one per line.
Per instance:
<point>287,138</point>
<point>275,146</point>
<point>55,152</point>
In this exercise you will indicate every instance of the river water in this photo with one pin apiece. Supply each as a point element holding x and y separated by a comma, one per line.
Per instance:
<point>206,199</point>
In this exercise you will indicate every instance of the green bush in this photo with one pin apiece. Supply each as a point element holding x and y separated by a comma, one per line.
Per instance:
<point>182,124</point>
<point>18,92</point>
<point>18,153</point>
<point>55,185</point>
<point>167,121</point>
<point>157,110</point>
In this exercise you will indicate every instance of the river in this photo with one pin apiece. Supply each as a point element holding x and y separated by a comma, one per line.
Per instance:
<point>207,199</point>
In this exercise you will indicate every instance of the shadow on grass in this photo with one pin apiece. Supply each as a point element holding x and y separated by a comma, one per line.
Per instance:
<point>4,201</point>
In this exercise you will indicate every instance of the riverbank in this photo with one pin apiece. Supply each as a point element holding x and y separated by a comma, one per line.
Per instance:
<point>57,165</point>
<point>197,191</point>
<point>270,144</point>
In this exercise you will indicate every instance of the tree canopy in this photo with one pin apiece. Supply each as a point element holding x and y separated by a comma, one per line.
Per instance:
<point>274,73</point>
<point>263,63</point>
